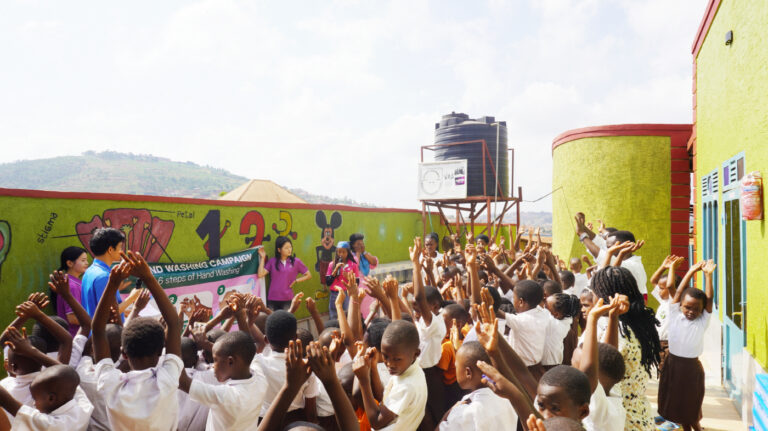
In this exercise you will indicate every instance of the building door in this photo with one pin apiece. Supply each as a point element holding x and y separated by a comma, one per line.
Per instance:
<point>733,281</point>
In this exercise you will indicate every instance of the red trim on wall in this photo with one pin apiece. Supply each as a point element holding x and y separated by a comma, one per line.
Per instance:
<point>45,194</point>
<point>671,130</point>
<point>706,22</point>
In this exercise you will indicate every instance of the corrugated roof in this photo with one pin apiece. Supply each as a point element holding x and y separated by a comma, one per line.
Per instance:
<point>262,191</point>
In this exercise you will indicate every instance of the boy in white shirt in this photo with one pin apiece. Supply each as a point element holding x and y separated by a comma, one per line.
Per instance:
<point>528,328</point>
<point>405,395</point>
<point>481,409</point>
<point>59,403</point>
<point>280,330</point>
<point>193,415</point>
<point>144,398</point>
<point>236,403</point>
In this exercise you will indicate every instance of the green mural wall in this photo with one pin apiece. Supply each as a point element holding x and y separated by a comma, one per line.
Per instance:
<point>731,118</point>
<point>622,180</point>
<point>36,226</point>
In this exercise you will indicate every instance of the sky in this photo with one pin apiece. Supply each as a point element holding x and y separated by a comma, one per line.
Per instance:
<point>335,97</point>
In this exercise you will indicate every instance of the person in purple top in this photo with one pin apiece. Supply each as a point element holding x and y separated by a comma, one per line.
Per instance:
<point>74,262</point>
<point>284,270</point>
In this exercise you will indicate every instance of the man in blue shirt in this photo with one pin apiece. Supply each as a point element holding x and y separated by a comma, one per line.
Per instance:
<point>106,245</point>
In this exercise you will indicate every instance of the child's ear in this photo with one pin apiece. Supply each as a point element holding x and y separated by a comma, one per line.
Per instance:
<point>584,411</point>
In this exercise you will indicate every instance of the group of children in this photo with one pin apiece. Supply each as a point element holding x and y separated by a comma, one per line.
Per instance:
<point>483,338</point>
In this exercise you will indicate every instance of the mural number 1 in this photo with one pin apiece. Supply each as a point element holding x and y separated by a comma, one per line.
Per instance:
<point>209,228</point>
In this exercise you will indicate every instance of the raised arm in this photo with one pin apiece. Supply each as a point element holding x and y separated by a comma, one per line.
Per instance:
<point>141,270</point>
<point>589,359</point>
<point>419,294</point>
<point>30,310</point>
<point>473,274</point>
<point>322,364</point>
<point>662,268</point>
<point>312,308</point>
<point>262,261</point>
<point>296,374</point>
<point>378,414</point>
<point>353,311</point>
<point>225,312</point>
<point>19,343</point>
<point>611,335</point>
<point>60,284</point>
<point>101,316</point>
<point>687,279</point>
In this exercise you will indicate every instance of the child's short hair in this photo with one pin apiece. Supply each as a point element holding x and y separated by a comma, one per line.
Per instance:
<point>622,236</point>
<point>575,383</point>
<point>305,336</point>
<point>611,361</point>
<point>188,352</point>
<point>434,236</point>
<point>401,333</point>
<point>551,287</point>
<point>494,292</point>
<point>474,351</point>
<point>483,237</point>
<point>456,311</point>
<point>586,293</point>
<point>281,328</point>
<point>114,335</point>
<point>696,294</point>
<point>508,308</point>
<point>529,291</point>
<point>568,279</point>
<point>61,378</point>
<point>52,344</point>
<point>214,334</point>
<point>238,344</point>
<point>104,238</point>
<point>142,337</point>
<point>567,305</point>
<point>433,295</point>
<point>375,332</point>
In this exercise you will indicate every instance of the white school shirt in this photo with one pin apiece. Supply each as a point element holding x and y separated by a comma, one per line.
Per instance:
<point>273,369</point>
<point>18,387</point>
<point>686,337</point>
<point>74,415</point>
<point>480,410</point>
<point>635,265</point>
<point>193,415</point>
<point>606,413</point>
<point>431,340</point>
<point>599,241</point>
<point>234,405</point>
<point>553,345</point>
<point>406,396</point>
<point>141,399</point>
<point>384,375</point>
<point>88,382</point>
<point>527,333</point>
<point>662,314</point>
<point>324,405</point>
<point>581,282</point>
<point>508,294</point>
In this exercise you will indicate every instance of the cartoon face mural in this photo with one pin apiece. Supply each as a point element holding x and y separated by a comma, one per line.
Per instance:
<point>145,233</point>
<point>5,240</point>
<point>326,248</point>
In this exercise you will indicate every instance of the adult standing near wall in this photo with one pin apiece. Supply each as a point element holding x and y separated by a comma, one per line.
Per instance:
<point>106,245</point>
<point>74,262</point>
<point>284,269</point>
<point>365,263</point>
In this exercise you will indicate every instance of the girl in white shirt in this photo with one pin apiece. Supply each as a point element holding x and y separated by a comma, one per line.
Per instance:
<point>563,308</point>
<point>681,387</point>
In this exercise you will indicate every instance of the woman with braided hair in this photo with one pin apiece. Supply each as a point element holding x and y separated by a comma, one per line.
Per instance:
<point>638,342</point>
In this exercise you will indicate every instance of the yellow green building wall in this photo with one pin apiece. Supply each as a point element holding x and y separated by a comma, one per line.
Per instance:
<point>622,180</point>
<point>731,96</point>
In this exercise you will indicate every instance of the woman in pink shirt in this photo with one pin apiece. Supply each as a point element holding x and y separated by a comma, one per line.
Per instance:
<point>343,264</point>
<point>283,270</point>
<point>74,261</point>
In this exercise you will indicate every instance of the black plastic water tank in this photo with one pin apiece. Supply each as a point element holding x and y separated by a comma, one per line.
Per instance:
<point>460,128</point>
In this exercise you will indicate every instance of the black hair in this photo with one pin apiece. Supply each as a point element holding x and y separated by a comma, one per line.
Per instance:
<point>483,237</point>
<point>575,383</point>
<point>280,241</point>
<point>402,333</point>
<point>236,343</point>
<point>529,291</point>
<point>665,277</point>
<point>433,296</point>
<point>375,332</point>
<point>70,254</point>
<point>483,276</point>
<point>456,311</point>
<point>562,423</point>
<point>640,321</point>
<point>404,315</point>
<point>474,351</point>
<point>551,287</point>
<point>41,331</point>
<point>494,292</point>
<point>588,292</point>
<point>188,352</point>
<point>114,335</point>
<point>435,237</point>
<point>355,237</point>
<point>610,229</point>
<point>305,336</point>
<point>508,308</point>
<point>446,303</point>
<point>567,305</point>
<point>105,237</point>
<point>38,343</point>
<point>143,337</point>
<point>696,294</point>
<point>611,361</point>
<point>622,236</point>
<point>281,328</point>
<point>214,334</point>
<point>567,278</point>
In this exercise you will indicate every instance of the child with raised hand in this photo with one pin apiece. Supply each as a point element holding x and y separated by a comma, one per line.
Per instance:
<point>236,403</point>
<point>337,274</point>
<point>563,308</point>
<point>53,329</point>
<point>280,333</point>
<point>405,396</point>
<point>481,409</point>
<point>59,404</point>
<point>681,387</point>
<point>661,291</point>
<point>146,397</point>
